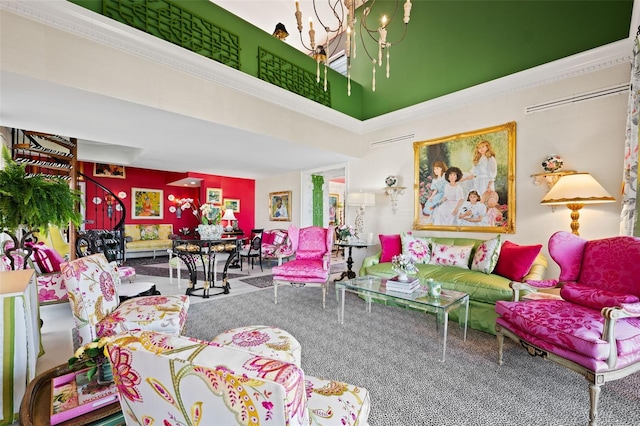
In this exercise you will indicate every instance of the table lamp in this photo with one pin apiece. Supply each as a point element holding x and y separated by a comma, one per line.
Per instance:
<point>575,190</point>
<point>229,217</point>
<point>361,200</point>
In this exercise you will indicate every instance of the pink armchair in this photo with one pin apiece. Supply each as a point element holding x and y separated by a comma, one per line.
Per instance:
<point>312,246</point>
<point>594,329</point>
<point>164,379</point>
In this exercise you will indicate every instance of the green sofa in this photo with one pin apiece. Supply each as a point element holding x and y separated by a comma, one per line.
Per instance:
<point>483,289</point>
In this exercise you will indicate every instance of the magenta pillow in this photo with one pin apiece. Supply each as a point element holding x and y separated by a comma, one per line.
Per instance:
<point>46,259</point>
<point>515,261</point>
<point>268,237</point>
<point>391,246</point>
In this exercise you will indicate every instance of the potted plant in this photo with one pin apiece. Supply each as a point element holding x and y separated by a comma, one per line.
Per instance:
<point>32,203</point>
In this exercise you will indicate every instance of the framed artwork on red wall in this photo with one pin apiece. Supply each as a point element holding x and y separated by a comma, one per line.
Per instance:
<point>147,203</point>
<point>109,170</point>
<point>233,204</point>
<point>214,195</point>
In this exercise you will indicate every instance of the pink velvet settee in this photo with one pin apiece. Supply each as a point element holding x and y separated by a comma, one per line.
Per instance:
<point>594,328</point>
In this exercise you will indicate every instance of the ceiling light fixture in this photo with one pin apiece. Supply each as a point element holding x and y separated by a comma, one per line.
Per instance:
<point>280,32</point>
<point>344,13</point>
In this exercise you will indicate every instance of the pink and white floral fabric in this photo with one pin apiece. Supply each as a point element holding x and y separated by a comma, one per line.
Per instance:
<point>265,340</point>
<point>165,379</point>
<point>416,248</point>
<point>486,256</point>
<point>445,255</point>
<point>92,284</point>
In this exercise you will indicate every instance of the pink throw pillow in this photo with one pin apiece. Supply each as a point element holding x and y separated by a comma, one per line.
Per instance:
<point>268,238</point>
<point>445,255</point>
<point>391,246</point>
<point>416,248</point>
<point>515,261</point>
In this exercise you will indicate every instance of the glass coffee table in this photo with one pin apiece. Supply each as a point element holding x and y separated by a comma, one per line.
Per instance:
<point>375,288</point>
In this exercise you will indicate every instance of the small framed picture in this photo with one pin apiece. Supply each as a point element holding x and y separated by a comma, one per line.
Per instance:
<point>108,170</point>
<point>334,199</point>
<point>147,203</point>
<point>214,195</point>
<point>280,205</point>
<point>233,204</point>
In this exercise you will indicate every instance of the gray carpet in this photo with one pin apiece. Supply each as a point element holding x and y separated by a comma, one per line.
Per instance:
<point>394,353</point>
<point>260,282</point>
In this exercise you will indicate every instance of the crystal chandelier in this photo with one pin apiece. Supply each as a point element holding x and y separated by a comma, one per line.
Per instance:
<point>346,21</point>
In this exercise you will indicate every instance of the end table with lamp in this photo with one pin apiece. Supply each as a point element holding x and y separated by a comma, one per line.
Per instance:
<point>350,245</point>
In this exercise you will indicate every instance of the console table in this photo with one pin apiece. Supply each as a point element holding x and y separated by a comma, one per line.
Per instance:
<point>20,339</point>
<point>203,252</point>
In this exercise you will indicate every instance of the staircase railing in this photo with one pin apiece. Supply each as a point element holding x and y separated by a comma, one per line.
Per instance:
<point>105,232</point>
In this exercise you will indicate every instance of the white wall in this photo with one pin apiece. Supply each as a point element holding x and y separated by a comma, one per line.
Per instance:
<point>589,136</point>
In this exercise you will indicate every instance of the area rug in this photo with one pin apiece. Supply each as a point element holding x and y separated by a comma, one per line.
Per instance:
<point>394,353</point>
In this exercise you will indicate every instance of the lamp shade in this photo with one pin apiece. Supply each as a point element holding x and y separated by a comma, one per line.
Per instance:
<point>577,188</point>
<point>361,199</point>
<point>228,215</point>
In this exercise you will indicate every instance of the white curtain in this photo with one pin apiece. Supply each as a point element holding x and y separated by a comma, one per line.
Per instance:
<point>629,211</point>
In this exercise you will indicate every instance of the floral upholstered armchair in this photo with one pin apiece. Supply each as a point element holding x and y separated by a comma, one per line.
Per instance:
<point>594,329</point>
<point>312,246</point>
<point>165,379</point>
<point>92,284</point>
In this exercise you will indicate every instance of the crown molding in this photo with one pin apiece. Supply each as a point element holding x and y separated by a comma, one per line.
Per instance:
<point>69,17</point>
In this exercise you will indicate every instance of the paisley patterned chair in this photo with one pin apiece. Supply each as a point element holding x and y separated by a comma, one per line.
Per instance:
<point>166,379</point>
<point>312,246</point>
<point>594,329</point>
<point>93,287</point>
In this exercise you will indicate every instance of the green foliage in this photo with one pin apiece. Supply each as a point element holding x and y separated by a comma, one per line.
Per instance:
<point>34,202</point>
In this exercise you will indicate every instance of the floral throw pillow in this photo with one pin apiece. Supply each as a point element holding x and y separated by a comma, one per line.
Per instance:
<point>416,248</point>
<point>486,257</point>
<point>445,255</point>
<point>149,232</point>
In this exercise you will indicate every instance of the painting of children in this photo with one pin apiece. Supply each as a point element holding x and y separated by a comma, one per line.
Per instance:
<point>480,199</point>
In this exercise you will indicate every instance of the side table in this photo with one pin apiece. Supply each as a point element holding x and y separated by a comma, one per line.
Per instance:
<point>35,408</point>
<point>349,274</point>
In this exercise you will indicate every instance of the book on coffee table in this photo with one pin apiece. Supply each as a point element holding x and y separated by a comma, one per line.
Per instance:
<point>404,286</point>
<point>73,394</point>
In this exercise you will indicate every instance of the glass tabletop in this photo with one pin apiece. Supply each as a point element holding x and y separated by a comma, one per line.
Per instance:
<point>377,287</point>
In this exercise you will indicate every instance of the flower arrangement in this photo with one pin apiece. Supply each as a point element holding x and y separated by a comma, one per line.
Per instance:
<point>552,163</point>
<point>391,181</point>
<point>207,213</point>
<point>92,354</point>
<point>425,190</point>
<point>345,231</point>
<point>402,264</point>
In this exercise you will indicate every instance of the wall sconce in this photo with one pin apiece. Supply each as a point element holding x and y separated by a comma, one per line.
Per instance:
<point>109,199</point>
<point>361,200</point>
<point>575,190</point>
<point>229,217</point>
<point>393,190</point>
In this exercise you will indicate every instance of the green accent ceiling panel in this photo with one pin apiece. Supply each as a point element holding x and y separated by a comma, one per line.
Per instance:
<point>289,76</point>
<point>450,45</point>
<point>453,45</point>
<point>170,22</point>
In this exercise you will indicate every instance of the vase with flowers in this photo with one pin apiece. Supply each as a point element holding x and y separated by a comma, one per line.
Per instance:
<point>94,356</point>
<point>208,215</point>
<point>345,232</point>
<point>403,266</point>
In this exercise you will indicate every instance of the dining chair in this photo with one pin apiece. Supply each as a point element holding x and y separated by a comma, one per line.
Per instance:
<point>253,250</point>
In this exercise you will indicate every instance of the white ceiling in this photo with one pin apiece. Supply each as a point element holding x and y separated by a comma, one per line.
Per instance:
<point>154,139</point>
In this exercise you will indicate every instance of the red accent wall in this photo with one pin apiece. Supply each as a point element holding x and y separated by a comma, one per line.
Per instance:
<point>235,188</point>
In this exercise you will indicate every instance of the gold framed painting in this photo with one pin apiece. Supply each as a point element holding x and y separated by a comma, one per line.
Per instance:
<point>466,181</point>
<point>147,203</point>
<point>334,199</point>
<point>233,204</point>
<point>109,170</point>
<point>280,205</point>
<point>214,195</point>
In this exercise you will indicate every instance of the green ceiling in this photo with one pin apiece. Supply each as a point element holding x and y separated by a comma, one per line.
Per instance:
<point>451,45</point>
